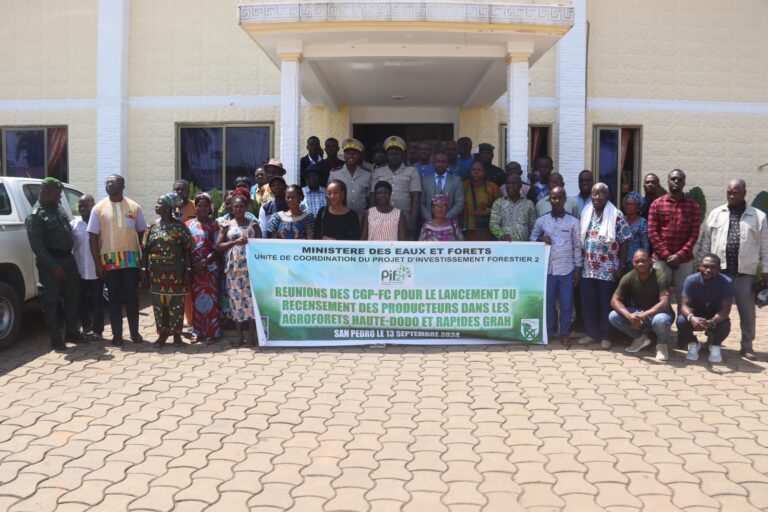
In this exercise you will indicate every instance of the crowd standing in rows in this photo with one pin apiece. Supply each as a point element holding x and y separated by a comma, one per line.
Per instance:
<point>624,266</point>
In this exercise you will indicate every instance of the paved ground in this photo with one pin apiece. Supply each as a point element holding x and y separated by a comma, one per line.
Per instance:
<point>414,429</point>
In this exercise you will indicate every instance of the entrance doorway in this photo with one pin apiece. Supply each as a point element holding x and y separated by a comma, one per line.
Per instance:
<point>371,134</point>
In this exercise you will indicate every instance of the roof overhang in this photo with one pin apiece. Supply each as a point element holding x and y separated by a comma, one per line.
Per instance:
<point>379,53</point>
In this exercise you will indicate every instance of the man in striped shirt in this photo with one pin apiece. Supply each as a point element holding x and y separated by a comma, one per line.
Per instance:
<point>561,231</point>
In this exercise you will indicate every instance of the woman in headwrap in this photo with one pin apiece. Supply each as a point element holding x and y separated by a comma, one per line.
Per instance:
<point>440,229</point>
<point>166,257</point>
<point>633,205</point>
<point>205,272</point>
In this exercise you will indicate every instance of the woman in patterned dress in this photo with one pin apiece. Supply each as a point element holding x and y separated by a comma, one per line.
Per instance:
<point>440,229</point>
<point>479,196</point>
<point>232,240</point>
<point>205,277</point>
<point>383,222</point>
<point>292,224</point>
<point>167,244</point>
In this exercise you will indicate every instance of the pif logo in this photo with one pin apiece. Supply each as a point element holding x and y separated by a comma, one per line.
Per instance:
<point>396,275</point>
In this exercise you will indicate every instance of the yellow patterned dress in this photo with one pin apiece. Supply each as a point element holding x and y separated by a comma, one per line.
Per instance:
<point>166,244</point>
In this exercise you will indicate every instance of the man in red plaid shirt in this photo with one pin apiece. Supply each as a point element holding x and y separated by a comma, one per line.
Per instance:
<point>673,228</point>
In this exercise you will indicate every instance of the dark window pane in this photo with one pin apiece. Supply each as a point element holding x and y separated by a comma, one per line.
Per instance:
<point>25,153</point>
<point>201,153</point>
<point>31,192</point>
<point>58,154</point>
<point>609,156</point>
<point>247,149</point>
<point>5,201</point>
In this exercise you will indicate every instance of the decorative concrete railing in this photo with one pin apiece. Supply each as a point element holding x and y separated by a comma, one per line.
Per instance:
<point>383,11</point>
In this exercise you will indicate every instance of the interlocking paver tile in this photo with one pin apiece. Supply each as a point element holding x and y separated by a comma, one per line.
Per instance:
<point>160,499</point>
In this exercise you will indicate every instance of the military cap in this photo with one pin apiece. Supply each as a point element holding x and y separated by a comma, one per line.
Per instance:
<point>394,142</point>
<point>351,143</point>
<point>52,182</point>
<point>485,146</point>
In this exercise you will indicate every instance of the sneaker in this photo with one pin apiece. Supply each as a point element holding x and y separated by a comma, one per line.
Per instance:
<point>662,352</point>
<point>585,340</point>
<point>605,344</point>
<point>693,351</point>
<point>748,353</point>
<point>638,344</point>
<point>715,354</point>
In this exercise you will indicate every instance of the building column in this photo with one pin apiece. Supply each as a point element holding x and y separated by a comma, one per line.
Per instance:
<point>517,109</point>
<point>112,91</point>
<point>571,90</point>
<point>290,115</point>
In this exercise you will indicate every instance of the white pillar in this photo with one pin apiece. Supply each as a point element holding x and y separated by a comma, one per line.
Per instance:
<point>571,90</point>
<point>290,115</point>
<point>517,109</point>
<point>112,91</point>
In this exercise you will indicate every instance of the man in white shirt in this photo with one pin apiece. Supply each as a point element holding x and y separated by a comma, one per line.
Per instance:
<point>91,287</point>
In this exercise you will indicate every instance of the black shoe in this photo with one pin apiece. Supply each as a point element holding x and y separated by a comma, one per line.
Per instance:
<point>78,339</point>
<point>748,353</point>
<point>117,342</point>
<point>136,338</point>
<point>177,340</point>
<point>58,346</point>
<point>161,341</point>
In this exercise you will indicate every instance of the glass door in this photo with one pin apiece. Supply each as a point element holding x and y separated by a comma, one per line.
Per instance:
<point>616,159</point>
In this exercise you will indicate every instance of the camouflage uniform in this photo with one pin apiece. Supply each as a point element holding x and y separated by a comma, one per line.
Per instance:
<point>50,236</point>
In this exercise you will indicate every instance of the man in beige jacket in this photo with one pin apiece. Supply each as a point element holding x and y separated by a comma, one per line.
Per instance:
<point>738,234</point>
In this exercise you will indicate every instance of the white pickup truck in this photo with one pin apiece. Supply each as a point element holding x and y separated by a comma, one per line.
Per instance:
<point>18,273</point>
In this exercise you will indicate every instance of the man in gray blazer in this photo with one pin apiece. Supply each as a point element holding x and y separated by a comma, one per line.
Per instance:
<point>442,183</point>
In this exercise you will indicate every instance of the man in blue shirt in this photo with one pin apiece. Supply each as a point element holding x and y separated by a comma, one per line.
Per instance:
<point>706,304</point>
<point>423,162</point>
<point>560,230</point>
<point>465,157</point>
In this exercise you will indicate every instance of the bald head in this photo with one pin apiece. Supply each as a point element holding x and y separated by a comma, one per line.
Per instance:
<point>557,199</point>
<point>84,206</point>
<point>599,196</point>
<point>736,193</point>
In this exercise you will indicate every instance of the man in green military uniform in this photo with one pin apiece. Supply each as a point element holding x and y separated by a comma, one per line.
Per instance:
<point>50,236</point>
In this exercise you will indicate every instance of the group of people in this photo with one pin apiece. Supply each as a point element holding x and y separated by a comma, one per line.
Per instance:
<point>624,266</point>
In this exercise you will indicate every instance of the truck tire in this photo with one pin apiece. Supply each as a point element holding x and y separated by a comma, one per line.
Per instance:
<point>10,316</point>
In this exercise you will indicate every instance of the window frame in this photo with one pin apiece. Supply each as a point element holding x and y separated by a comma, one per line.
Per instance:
<point>503,142</point>
<point>637,185</point>
<point>240,124</point>
<point>44,128</point>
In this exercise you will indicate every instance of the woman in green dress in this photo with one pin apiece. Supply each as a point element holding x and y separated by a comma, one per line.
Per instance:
<point>167,262</point>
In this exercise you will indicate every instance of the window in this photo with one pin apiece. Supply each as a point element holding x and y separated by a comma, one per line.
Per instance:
<point>539,143</point>
<point>35,152</point>
<point>72,197</point>
<point>213,156</point>
<point>32,192</point>
<point>617,159</point>
<point>5,201</point>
